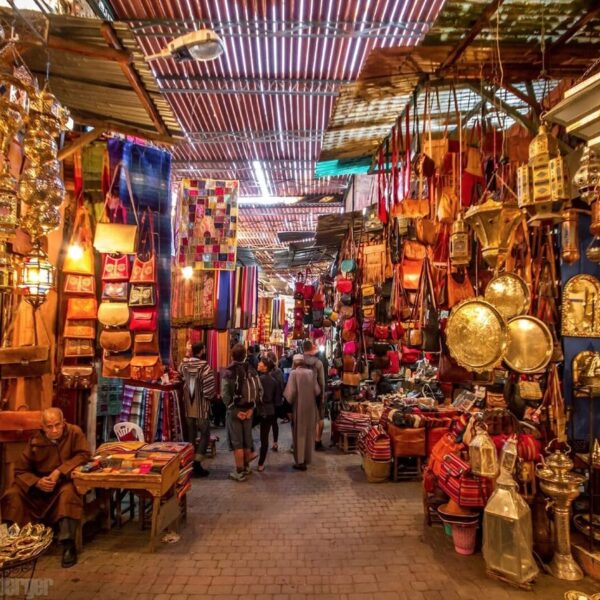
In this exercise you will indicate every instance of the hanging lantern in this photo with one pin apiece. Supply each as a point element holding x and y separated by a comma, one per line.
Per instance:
<point>543,184</point>
<point>569,243</point>
<point>460,247</point>
<point>8,205</point>
<point>493,223</point>
<point>587,177</point>
<point>7,268</point>
<point>14,104</point>
<point>482,453</point>
<point>37,277</point>
<point>507,529</point>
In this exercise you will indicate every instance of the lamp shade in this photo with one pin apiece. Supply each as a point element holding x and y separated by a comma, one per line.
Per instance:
<point>36,277</point>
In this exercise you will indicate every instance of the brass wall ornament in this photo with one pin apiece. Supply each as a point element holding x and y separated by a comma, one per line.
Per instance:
<point>580,367</point>
<point>494,224</point>
<point>510,294</point>
<point>476,335</point>
<point>581,307</point>
<point>530,345</point>
<point>587,177</point>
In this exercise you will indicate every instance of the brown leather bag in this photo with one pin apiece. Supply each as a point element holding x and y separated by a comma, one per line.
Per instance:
<point>407,441</point>
<point>113,314</point>
<point>80,329</point>
<point>146,368</point>
<point>458,291</point>
<point>116,366</point>
<point>19,425</point>
<point>115,340</point>
<point>145,343</point>
<point>75,348</point>
<point>82,308</point>
<point>427,231</point>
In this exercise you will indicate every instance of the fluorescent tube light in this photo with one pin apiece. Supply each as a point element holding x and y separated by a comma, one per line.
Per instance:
<point>261,178</point>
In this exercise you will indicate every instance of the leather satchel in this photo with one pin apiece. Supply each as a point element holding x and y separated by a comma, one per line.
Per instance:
<point>19,425</point>
<point>142,295</point>
<point>144,263</point>
<point>82,308</point>
<point>82,285</point>
<point>427,231</point>
<point>75,348</point>
<point>80,377</point>
<point>352,379</point>
<point>115,340</point>
<point>84,329</point>
<point>115,268</point>
<point>115,291</point>
<point>116,366</point>
<point>407,441</point>
<point>113,314</point>
<point>145,343</point>
<point>144,319</point>
<point>146,368</point>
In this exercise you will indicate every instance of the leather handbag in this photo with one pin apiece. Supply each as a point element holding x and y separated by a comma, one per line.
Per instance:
<point>381,332</point>
<point>309,288</point>
<point>457,481</point>
<point>458,291</point>
<point>83,329</point>
<point>411,273</point>
<point>350,348</point>
<point>344,286</point>
<point>19,425</point>
<point>144,319</point>
<point>75,263</point>
<point>25,361</point>
<point>447,206</point>
<point>82,308</point>
<point>394,366</point>
<point>113,314</point>
<point>80,377</point>
<point>116,366</point>
<point>115,291</point>
<point>81,285</point>
<point>414,208</point>
<point>144,263</point>
<point>146,368</point>
<point>145,343</point>
<point>407,441</point>
<point>410,355</point>
<point>115,340</point>
<point>115,267</point>
<point>112,237</point>
<point>352,379</point>
<point>427,231</point>
<point>142,295</point>
<point>75,348</point>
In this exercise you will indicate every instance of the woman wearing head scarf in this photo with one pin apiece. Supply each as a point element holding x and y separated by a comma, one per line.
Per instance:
<point>301,392</point>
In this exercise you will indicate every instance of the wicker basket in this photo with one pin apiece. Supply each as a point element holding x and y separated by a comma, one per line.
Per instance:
<point>376,471</point>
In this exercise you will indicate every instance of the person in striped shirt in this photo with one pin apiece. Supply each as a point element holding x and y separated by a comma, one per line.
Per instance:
<point>199,390</point>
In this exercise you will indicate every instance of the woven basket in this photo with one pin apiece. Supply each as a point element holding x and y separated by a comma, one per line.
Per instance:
<point>376,471</point>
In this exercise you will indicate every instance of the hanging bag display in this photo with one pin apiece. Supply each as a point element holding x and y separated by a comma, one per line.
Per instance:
<point>146,368</point>
<point>115,267</point>
<point>75,263</point>
<point>84,329</point>
<point>115,340</point>
<point>116,366</point>
<point>80,285</point>
<point>113,314</point>
<point>144,263</point>
<point>82,308</point>
<point>145,343</point>
<point>142,295</point>
<point>81,377</point>
<point>144,319</point>
<point>112,237</point>
<point>115,291</point>
<point>20,424</point>
<point>78,348</point>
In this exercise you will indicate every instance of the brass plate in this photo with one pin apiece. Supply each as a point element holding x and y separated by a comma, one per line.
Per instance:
<point>530,345</point>
<point>581,307</point>
<point>509,294</point>
<point>477,335</point>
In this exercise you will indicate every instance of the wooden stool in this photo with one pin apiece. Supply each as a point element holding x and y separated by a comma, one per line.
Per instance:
<point>409,473</point>
<point>348,442</point>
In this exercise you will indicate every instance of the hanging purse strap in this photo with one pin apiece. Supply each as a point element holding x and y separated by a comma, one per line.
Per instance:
<point>146,234</point>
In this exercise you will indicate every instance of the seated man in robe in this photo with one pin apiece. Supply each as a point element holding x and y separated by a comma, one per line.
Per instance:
<point>42,490</point>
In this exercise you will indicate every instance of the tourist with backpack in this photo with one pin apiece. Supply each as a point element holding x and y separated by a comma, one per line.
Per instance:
<point>301,392</point>
<point>266,409</point>
<point>241,391</point>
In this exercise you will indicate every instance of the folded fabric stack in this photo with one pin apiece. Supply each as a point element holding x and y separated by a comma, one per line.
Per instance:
<point>119,448</point>
<point>185,453</point>
<point>348,422</point>
<point>375,443</point>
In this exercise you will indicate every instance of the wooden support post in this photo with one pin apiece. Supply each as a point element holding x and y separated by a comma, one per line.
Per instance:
<point>121,56</point>
<point>83,140</point>
<point>529,99</point>
<point>110,35</point>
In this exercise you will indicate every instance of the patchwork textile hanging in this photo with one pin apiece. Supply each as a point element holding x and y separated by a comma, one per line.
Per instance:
<point>208,217</point>
<point>193,301</point>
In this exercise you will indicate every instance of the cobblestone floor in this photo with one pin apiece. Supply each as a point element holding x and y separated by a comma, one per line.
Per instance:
<point>289,535</point>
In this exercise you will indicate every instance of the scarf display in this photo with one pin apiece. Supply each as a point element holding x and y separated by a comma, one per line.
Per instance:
<point>277,314</point>
<point>193,301</point>
<point>246,293</point>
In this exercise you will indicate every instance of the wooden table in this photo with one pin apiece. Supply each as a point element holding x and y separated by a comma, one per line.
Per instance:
<point>158,485</point>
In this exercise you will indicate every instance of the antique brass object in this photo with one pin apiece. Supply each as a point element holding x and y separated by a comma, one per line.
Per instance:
<point>581,307</point>
<point>460,248</point>
<point>562,487</point>
<point>477,335</point>
<point>570,237</point>
<point>494,224</point>
<point>530,345</point>
<point>509,294</point>
<point>580,367</point>
<point>587,177</point>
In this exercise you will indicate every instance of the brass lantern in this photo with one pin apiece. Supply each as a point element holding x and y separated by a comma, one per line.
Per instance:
<point>37,276</point>
<point>460,254</point>
<point>482,453</point>
<point>507,528</point>
<point>587,177</point>
<point>595,221</point>
<point>569,242</point>
<point>494,223</point>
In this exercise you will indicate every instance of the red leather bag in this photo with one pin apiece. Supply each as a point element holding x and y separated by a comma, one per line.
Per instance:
<point>344,286</point>
<point>394,366</point>
<point>143,319</point>
<point>144,263</point>
<point>115,267</point>
<point>410,355</point>
<point>350,348</point>
<point>382,332</point>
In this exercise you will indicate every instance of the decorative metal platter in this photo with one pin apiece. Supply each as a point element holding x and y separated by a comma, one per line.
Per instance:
<point>581,307</point>
<point>509,294</point>
<point>476,335</point>
<point>530,345</point>
<point>21,544</point>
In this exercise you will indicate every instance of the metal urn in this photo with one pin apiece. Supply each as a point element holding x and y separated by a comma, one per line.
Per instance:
<point>562,487</point>
<point>507,529</point>
<point>494,224</point>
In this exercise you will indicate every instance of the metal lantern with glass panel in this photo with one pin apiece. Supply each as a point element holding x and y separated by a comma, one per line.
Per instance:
<point>482,452</point>
<point>507,529</point>
<point>460,248</point>
<point>36,278</point>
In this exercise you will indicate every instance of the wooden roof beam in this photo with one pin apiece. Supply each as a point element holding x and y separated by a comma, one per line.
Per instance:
<point>121,56</point>
<point>483,19</point>
<point>592,12</point>
<point>83,140</point>
<point>110,35</point>
<point>530,100</point>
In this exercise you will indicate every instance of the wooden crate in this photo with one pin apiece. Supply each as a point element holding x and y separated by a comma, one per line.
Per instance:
<point>348,442</point>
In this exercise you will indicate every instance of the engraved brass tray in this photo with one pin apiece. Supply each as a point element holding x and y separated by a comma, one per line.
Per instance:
<point>530,345</point>
<point>581,307</point>
<point>476,335</point>
<point>509,294</point>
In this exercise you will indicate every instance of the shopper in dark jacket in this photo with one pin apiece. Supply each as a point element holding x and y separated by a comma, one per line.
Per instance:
<point>280,409</point>
<point>266,410</point>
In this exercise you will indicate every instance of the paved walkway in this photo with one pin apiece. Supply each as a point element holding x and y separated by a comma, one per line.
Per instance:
<point>290,535</point>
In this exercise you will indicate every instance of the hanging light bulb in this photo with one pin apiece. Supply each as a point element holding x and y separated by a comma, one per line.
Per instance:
<point>75,251</point>
<point>187,272</point>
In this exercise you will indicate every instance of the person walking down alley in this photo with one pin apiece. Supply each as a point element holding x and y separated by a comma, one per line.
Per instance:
<point>199,390</point>
<point>302,391</point>
<point>241,391</point>
<point>266,409</point>
<point>316,364</point>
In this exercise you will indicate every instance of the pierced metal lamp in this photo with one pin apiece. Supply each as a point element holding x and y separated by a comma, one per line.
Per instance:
<point>36,278</point>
